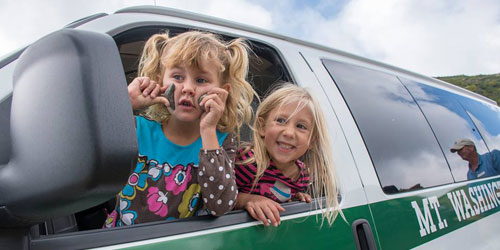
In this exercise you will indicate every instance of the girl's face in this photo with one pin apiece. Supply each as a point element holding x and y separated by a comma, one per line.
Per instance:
<point>190,84</point>
<point>287,137</point>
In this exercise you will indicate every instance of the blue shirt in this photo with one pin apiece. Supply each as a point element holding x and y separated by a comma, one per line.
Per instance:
<point>489,165</point>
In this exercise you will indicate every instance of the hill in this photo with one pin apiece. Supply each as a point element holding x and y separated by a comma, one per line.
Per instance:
<point>486,85</point>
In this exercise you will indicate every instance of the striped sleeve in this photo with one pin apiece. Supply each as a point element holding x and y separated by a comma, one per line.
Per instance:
<point>245,174</point>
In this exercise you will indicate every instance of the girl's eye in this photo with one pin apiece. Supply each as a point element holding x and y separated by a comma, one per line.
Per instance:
<point>280,120</point>
<point>201,80</point>
<point>178,77</point>
<point>301,126</point>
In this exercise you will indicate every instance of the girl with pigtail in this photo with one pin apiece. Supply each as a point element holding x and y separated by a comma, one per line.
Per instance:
<point>290,158</point>
<point>193,97</point>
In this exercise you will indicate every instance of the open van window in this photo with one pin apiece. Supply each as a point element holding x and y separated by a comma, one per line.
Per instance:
<point>266,66</point>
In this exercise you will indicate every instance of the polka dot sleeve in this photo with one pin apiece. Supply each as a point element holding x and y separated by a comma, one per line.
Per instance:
<point>216,177</point>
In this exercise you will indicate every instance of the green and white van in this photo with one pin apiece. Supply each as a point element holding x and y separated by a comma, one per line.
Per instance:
<point>67,145</point>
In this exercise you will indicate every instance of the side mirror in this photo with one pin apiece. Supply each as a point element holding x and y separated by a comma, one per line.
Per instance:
<point>72,129</point>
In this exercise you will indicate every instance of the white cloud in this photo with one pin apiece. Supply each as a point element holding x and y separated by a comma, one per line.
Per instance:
<point>429,37</point>
<point>241,11</point>
<point>441,37</point>
<point>27,20</point>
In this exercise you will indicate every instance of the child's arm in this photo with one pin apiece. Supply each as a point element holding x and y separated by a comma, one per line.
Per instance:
<point>144,92</point>
<point>214,103</point>
<point>216,177</point>
<point>260,208</point>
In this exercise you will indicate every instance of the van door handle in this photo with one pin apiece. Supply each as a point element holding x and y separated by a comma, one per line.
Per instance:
<point>363,235</point>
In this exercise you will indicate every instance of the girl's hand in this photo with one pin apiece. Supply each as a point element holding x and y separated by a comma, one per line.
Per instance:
<point>261,208</point>
<point>144,92</point>
<point>302,197</point>
<point>214,103</point>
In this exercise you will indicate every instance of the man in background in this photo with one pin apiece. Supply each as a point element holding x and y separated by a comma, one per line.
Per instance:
<point>480,166</point>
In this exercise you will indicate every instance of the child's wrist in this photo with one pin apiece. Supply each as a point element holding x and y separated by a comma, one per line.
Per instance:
<point>209,139</point>
<point>208,131</point>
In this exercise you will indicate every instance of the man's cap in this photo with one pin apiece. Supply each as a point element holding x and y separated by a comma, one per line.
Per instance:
<point>459,144</point>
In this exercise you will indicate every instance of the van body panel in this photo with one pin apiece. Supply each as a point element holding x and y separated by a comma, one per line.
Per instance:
<point>427,216</point>
<point>294,232</point>
<point>482,234</point>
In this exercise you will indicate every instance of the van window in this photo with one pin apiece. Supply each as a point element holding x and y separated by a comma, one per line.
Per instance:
<point>6,74</point>
<point>401,144</point>
<point>487,119</point>
<point>449,121</point>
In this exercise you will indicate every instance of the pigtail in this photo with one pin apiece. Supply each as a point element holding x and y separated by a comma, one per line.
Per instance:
<point>241,93</point>
<point>151,65</point>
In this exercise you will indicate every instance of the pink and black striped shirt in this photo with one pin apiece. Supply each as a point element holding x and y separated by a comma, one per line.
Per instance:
<point>273,184</point>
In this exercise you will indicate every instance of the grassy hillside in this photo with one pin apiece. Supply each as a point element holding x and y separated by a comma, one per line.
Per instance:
<point>486,85</point>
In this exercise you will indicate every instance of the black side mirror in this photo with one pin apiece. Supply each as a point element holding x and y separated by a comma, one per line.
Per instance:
<point>72,130</point>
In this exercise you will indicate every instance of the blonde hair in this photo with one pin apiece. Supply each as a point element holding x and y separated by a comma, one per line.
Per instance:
<point>191,49</point>
<point>317,158</point>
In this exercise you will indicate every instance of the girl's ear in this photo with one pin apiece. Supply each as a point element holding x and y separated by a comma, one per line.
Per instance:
<point>261,127</point>
<point>226,87</point>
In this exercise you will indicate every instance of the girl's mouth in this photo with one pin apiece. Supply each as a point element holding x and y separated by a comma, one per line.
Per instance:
<point>285,146</point>
<point>185,103</point>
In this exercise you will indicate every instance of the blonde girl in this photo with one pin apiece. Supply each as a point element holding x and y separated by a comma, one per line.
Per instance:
<point>290,157</point>
<point>186,138</point>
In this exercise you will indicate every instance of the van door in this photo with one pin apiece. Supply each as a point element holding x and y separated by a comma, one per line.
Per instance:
<point>354,201</point>
<point>408,182</point>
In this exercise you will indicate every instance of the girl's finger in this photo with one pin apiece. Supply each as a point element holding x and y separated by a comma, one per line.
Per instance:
<point>276,214</point>
<point>163,89</point>
<point>209,97</point>
<point>212,105</point>
<point>143,82</point>
<point>221,93</point>
<point>308,198</point>
<point>261,216</point>
<point>280,208</point>
<point>162,100</point>
<point>251,211</point>
<point>149,88</point>
<point>155,91</point>
<point>271,213</point>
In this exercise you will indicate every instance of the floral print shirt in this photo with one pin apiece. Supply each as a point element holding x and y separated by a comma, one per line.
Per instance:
<point>172,181</point>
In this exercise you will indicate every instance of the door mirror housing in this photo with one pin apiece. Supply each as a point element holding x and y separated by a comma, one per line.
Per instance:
<point>72,133</point>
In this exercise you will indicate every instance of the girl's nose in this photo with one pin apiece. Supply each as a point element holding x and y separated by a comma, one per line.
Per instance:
<point>288,130</point>
<point>188,87</point>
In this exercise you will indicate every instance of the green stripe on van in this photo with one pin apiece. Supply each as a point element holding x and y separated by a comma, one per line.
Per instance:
<point>299,233</point>
<point>411,221</point>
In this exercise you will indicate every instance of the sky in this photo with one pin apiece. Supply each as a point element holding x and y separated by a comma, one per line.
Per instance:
<point>430,37</point>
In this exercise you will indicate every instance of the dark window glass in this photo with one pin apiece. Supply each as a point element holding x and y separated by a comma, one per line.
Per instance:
<point>401,144</point>
<point>486,117</point>
<point>449,121</point>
